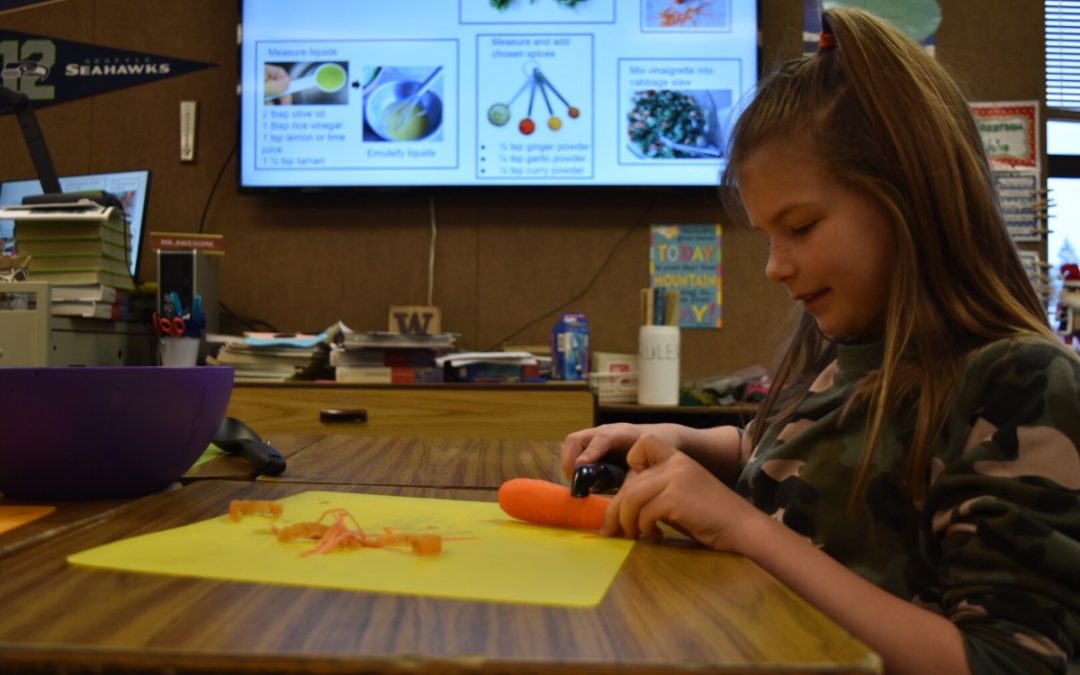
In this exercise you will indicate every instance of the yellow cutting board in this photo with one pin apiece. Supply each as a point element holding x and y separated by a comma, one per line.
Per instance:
<point>488,555</point>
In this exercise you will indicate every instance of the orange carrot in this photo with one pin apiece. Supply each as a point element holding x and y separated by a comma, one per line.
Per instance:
<point>546,503</point>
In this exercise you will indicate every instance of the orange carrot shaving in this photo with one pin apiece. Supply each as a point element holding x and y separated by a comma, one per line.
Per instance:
<point>239,508</point>
<point>300,531</point>
<point>426,544</point>
<point>337,529</point>
<point>545,503</point>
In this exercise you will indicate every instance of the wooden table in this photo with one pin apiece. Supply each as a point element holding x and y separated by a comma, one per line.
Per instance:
<point>673,606</point>
<point>68,516</point>
<point>416,462</point>
<point>239,468</point>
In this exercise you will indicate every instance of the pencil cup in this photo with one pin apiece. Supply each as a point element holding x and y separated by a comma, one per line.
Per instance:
<point>658,365</point>
<point>179,351</point>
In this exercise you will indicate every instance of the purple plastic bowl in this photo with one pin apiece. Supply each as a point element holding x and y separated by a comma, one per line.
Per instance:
<point>105,433</point>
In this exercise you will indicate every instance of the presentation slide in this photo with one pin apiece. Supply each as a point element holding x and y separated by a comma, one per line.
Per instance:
<point>358,93</point>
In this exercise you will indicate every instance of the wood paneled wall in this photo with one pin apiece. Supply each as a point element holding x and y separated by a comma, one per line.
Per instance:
<point>507,261</point>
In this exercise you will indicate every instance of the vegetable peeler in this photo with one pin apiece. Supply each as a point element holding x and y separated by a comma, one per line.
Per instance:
<point>600,477</point>
<point>235,438</point>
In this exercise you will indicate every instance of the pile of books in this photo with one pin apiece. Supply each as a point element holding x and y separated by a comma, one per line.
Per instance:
<point>377,357</point>
<point>92,301</point>
<point>261,363</point>
<point>82,249</point>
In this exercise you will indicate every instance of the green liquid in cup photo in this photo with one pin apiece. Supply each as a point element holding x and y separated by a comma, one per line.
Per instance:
<point>330,77</point>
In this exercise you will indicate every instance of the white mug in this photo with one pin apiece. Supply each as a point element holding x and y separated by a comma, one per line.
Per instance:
<point>658,365</point>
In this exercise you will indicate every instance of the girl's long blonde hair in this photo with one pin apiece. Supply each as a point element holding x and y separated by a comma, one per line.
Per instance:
<point>886,119</point>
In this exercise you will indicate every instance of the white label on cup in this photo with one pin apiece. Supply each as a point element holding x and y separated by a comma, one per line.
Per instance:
<point>658,365</point>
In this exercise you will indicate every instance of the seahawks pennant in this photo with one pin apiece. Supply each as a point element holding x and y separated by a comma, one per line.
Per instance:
<point>49,70</point>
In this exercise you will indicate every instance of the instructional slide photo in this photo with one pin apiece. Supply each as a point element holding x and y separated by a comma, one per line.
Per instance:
<point>405,105</point>
<point>686,15</point>
<point>669,124</point>
<point>306,83</point>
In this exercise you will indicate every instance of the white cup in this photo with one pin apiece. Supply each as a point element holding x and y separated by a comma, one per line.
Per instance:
<point>658,365</point>
<point>179,351</point>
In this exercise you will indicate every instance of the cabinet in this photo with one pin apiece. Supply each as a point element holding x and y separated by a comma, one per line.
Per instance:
<point>450,410</point>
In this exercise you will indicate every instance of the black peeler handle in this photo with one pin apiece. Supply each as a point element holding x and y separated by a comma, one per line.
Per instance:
<point>600,477</point>
<point>264,458</point>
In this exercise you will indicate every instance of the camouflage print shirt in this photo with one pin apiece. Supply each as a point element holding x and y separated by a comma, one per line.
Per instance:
<point>995,547</point>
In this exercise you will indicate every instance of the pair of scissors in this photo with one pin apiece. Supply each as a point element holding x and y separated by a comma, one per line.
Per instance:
<point>173,326</point>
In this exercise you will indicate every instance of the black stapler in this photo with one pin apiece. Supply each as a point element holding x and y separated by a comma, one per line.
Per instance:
<point>599,477</point>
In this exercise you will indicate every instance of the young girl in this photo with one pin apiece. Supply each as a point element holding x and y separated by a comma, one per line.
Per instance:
<point>914,472</point>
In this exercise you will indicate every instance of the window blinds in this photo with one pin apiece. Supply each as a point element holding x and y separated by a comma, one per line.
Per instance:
<point>1062,54</point>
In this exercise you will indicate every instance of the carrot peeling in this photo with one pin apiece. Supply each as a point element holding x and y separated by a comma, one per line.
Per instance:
<point>337,530</point>
<point>426,544</point>
<point>545,503</point>
<point>239,508</point>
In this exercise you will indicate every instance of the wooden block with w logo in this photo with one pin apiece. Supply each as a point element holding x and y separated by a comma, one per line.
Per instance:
<point>414,319</point>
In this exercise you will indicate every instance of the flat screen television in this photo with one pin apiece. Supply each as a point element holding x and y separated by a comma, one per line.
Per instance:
<point>369,93</point>
<point>130,187</point>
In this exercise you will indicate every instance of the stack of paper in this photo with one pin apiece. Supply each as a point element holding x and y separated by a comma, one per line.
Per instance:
<point>258,357</point>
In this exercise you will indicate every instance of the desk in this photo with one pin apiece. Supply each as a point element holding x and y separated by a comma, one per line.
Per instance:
<point>673,607</point>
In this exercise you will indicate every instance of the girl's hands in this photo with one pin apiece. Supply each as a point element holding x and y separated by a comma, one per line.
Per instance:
<point>590,445</point>
<point>667,486</point>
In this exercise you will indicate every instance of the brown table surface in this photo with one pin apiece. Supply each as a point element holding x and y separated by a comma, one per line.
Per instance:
<point>67,516</point>
<point>673,606</point>
<point>419,462</point>
<point>237,467</point>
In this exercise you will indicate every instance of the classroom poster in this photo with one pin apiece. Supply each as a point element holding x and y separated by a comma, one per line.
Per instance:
<point>688,258</point>
<point>1010,133</point>
<point>1019,197</point>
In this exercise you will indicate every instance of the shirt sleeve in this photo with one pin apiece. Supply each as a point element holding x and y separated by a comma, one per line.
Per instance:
<point>1002,516</point>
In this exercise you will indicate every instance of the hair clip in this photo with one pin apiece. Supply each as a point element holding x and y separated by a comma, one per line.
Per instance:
<point>826,41</point>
